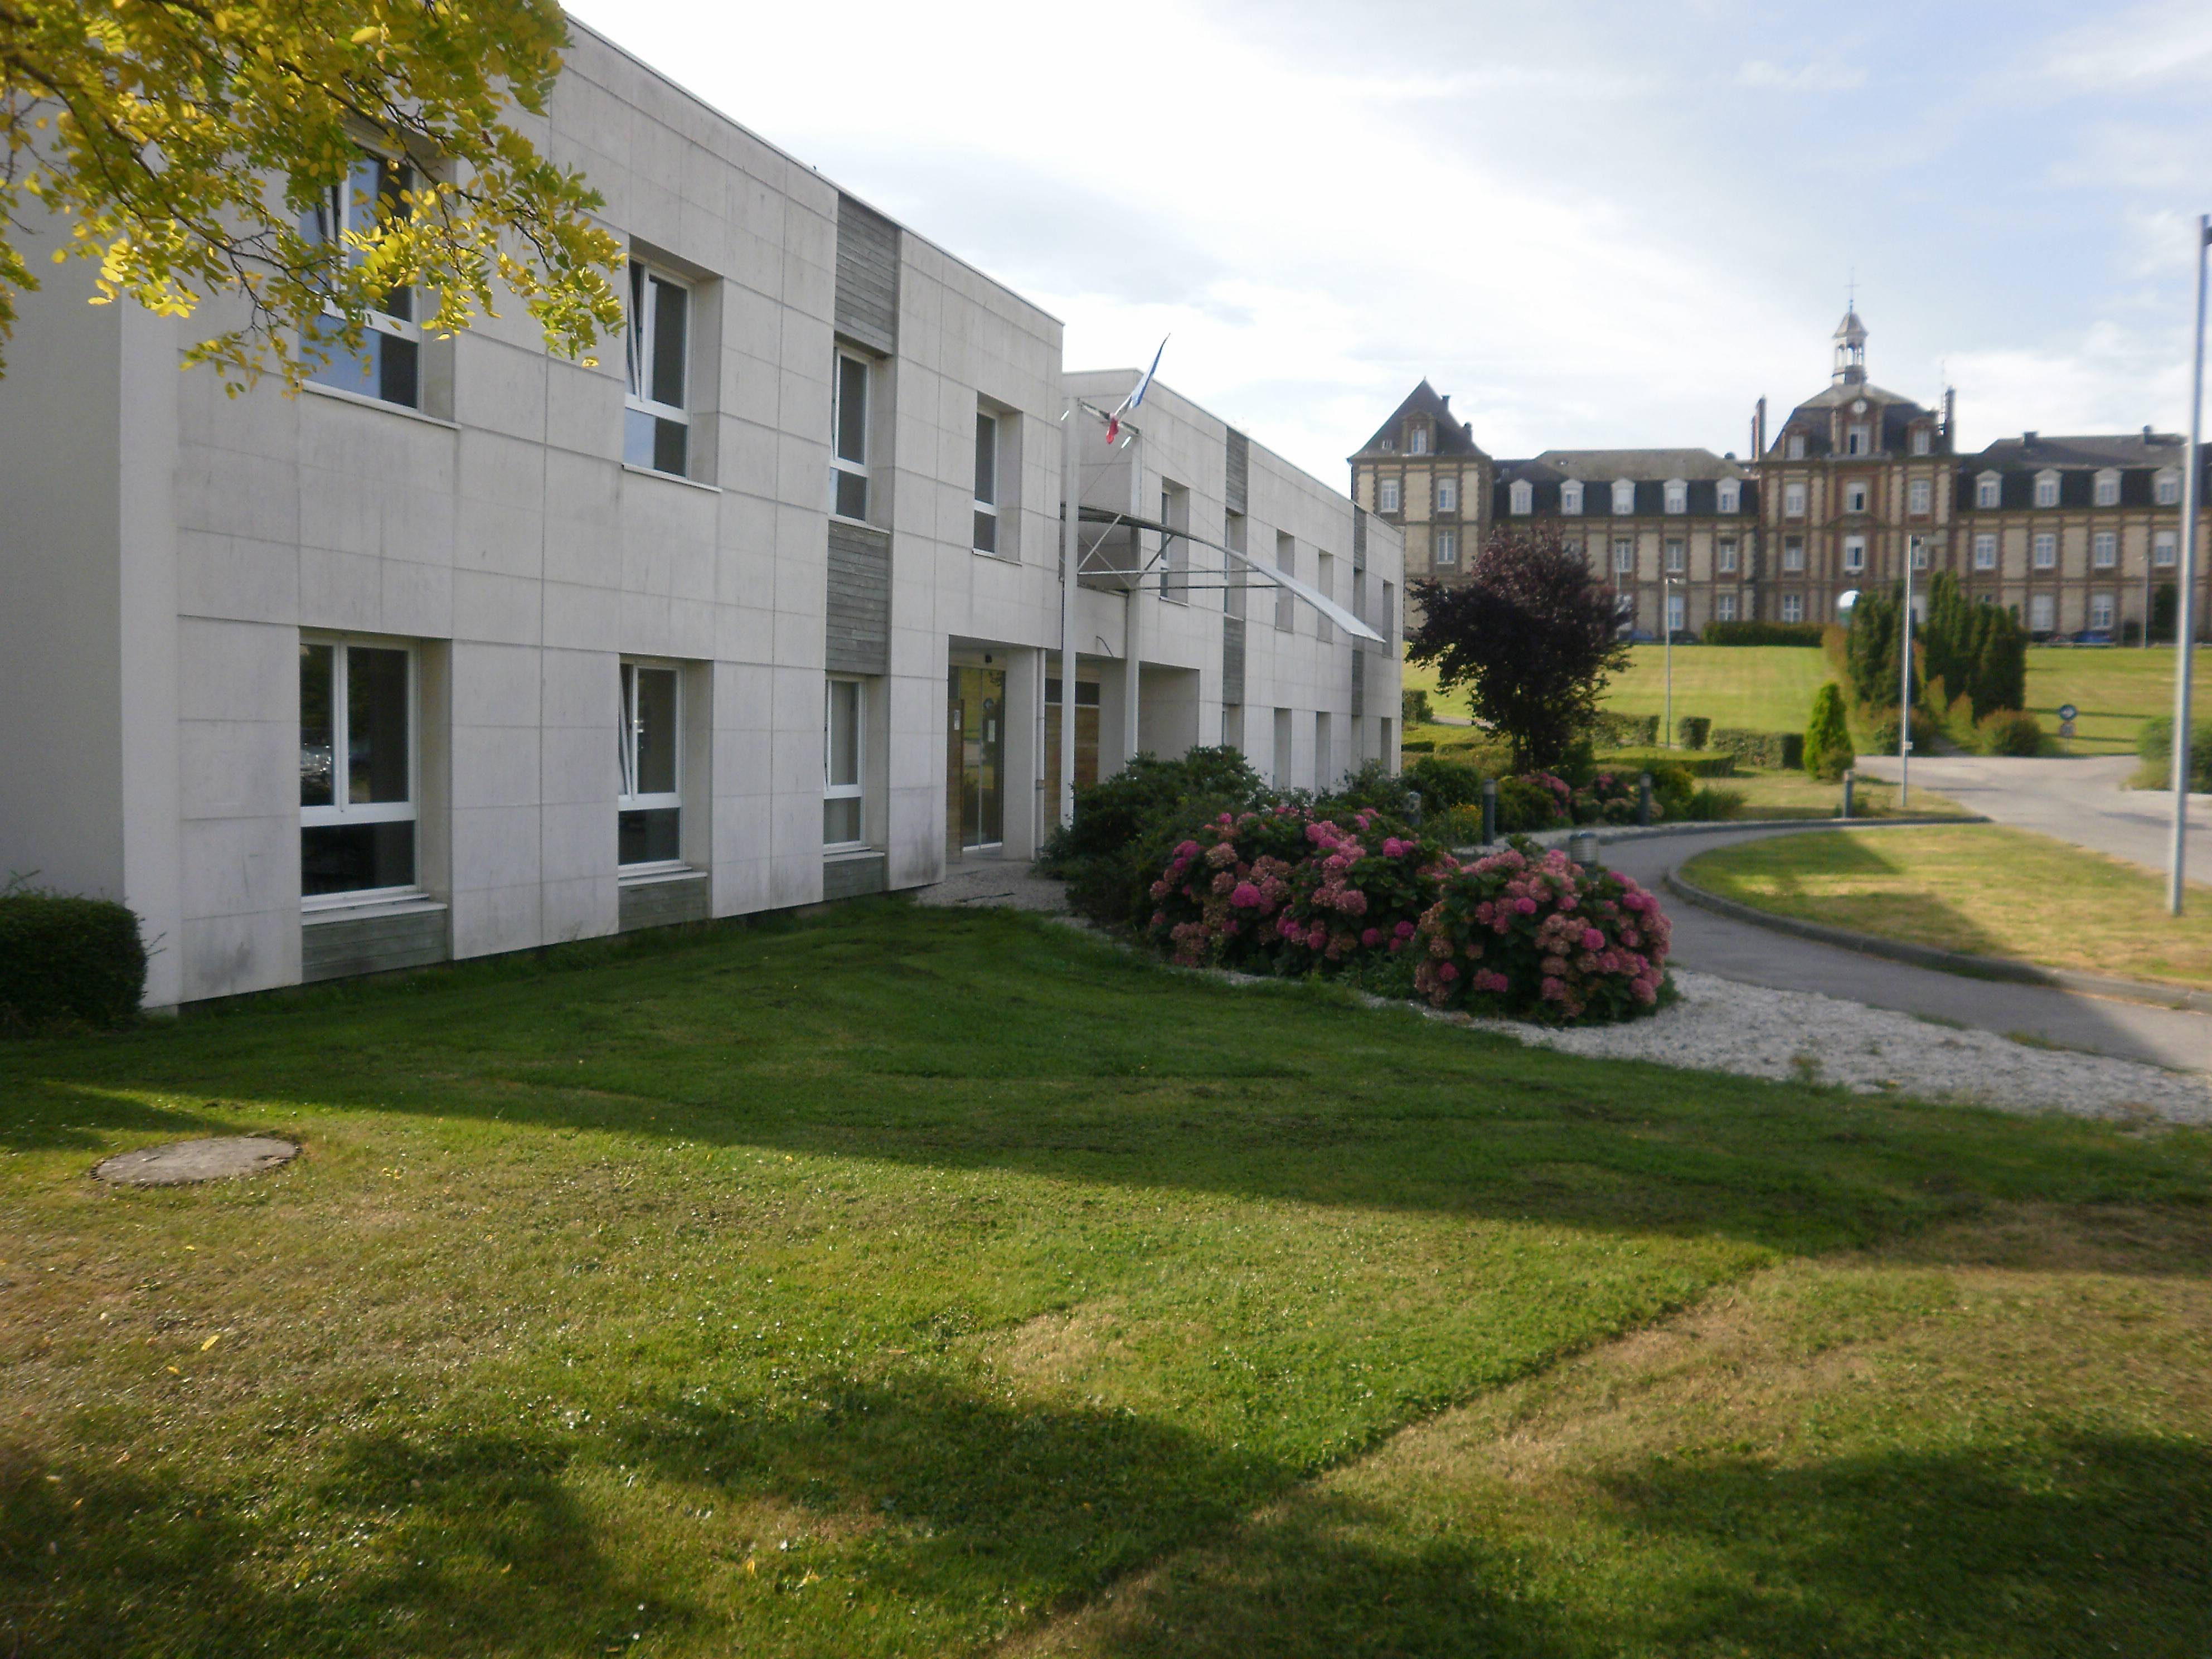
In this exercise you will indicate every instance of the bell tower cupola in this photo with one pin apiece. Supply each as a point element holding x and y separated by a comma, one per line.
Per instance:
<point>1850,349</point>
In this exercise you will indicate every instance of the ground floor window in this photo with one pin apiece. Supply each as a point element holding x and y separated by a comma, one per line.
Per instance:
<point>2042,613</point>
<point>1447,547</point>
<point>1676,613</point>
<point>356,769</point>
<point>1724,609</point>
<point>650,810</point>
<point>843,717</point>
<point>1793,607</point>
<point>1324,762</point>
<point>2100,611</point>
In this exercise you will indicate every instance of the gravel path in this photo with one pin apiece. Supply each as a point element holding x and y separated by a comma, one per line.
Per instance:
<point>1723,1025</point>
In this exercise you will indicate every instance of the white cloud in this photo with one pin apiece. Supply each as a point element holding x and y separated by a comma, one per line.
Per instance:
<point>2160,43</point>
<point>1811,77</point>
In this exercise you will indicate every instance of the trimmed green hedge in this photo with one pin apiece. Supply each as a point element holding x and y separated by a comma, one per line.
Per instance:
<point>1778,751</point>
<point>68,961</point>
<point>1691,731</point>
<point>1761,633</point>
<point>2155,748</point>
<point>1706,765</point>
<point>1615,731</point>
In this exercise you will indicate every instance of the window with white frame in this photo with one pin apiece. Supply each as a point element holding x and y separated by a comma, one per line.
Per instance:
<point>649,809</point>
<point>1985,551</point>
<point>1793,500</point>
<point>848,422</point>
<point>1623,495</point>
<point>844,713</point>
<point>2105,549</point>
<point>986,481</point>
<point>1386,495</point>
<point>2162,546</point>
<point>1854,553</point>
<point>2165,489</point>
<point>357,770</point>
<point>1447,495</point>
<point>1724,608</point>
<point>1796,446</point>
<point>1675,558</point>
<point>1855,498</point>
<point>1570,496</point>
<point>1624,556</point>
<point>1793,552</point>
<point>2101,612</point>
<point>1855,441</point>
<point>1417,441</point>
<point>1678,495</point>
<point>2042,613</point>
<point>1917,546</point>
<point>657,417</point>
<point>1922,441</point>
<point>388,366</point>
<point>1793,607</point>
<point>1724,557</point>
<point>1728,497</point>
<point>1677,613</point>
<point>2046,489</point>
<point>2108,487</point>
<point>1519,496</point>
<point>1447,547</point>
<point>1989,489</point>
<point>1920,496</point>
<point>2046,549</point>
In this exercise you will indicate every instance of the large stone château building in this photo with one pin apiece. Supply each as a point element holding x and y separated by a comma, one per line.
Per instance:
<point>2074,534</point>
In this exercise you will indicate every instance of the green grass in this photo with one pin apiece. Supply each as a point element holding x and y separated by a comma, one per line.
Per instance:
<point>901,1281</point>
<point>1770,689</point>
<point>1969,889</point>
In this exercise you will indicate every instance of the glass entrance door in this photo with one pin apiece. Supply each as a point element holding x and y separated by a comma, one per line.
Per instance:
<point>976,759</point>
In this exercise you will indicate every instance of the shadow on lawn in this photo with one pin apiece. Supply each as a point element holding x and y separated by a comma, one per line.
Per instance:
<point>2094,1544</point>
<point>471,1546</point>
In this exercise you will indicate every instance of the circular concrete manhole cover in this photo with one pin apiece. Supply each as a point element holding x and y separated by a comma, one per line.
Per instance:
<point>184,1161</point>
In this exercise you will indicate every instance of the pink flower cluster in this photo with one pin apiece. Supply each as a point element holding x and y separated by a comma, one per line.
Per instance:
<point>1543,936</point>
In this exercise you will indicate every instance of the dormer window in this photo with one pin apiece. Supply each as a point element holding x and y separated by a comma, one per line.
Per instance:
<point>2108,487</point>
<point>2167,489</point>
<point>1624,497</point>
<point>1678,495</point>
<point>1989,489</point>
<point>1729,498</point>
<point>2046,489</point>
<point>1922,441</point>
<point>1521,498</point>
<point>1417,440</point>
<point>1796,447</point>
<point>1571,497</point>
<point>1448,494</point>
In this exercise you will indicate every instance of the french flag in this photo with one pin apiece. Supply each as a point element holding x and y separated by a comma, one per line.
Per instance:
<point>1129,404</point>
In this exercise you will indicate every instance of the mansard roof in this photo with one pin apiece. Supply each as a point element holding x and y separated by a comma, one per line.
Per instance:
<point>2034,451</point>
<point>1452,437</point>
<point>1604,465</point>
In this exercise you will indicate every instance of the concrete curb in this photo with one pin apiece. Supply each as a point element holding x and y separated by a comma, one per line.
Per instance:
<point>1619,832</point>
<point>1948,962</point>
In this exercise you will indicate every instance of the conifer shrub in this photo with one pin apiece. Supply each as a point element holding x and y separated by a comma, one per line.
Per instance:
<point>1827,750</point>
<point>2009,732</point>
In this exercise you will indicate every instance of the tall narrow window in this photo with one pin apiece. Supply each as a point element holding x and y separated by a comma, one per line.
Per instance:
<point>1724,553</point>
<point>1796,446</point>
<point>2101,612</point>
<point>2042,613</point>
<point>1985,551</point>
<point>1417,441</point>
<point>1855,498</point>
<point>1922,441</point>
<point>1728,497</point>
<point>986,481</point>
<point>388,366</point>
<point>1919,548</point>
<point>1854,553</point>
<point>1675,561</point>
<point>841,749</point>
<point>1624,497</point>
<point>1286,560</point>
<point>1447,495</point>
<point>2105,549</point>
<point>356,769</point>
<point>849,423</point>
<point>1571,497</point>
<point>657,419</point>
<point>1520,497</point>
<point>1325,580</point>
<point>2162,548</point>
<point>2165,489</point>
<point>1989,489</point>
<point>2046,549</point>
<point>1724,608</point>
<point>1919,495</point>
<point>1793,500</point>
<point>2108,488</point>
<point>1677,613</point>
<point>1624,557</point>
<point>1678,495</point>
<point>2046,489</point>
<point>1855,441</point>
<point>1386,495</point>
<point>1793,607</point>
<point>649,809</point>
<point>1447,547</point>
<point>1793,552</point>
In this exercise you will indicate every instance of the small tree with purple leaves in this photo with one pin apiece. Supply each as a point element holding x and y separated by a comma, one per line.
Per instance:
<point>1531,635</point>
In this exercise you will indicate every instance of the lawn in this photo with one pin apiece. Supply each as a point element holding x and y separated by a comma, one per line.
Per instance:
<point>1979,888</point>
<point>1770,689</point>
<point>901,1282</point>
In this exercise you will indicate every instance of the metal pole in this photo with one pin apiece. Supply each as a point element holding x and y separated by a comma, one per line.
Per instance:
<point>1667,621</point>
<point>2185,617</point>
<point>1905,687</point>
<point>1070,489</point>
<point>1129,669</point>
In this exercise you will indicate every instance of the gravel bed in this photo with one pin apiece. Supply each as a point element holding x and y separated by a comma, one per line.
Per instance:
<point>1721,1025</point>
<point>1001,883</point>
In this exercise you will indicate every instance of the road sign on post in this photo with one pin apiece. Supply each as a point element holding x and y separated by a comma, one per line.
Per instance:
<point>2068,713</point>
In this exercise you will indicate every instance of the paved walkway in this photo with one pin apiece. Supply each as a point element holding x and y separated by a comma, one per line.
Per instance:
<point>2080,799</point>
<point>1755,954</point>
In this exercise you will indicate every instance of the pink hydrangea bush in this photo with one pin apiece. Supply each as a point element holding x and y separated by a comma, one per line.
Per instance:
<point>1361,890</point>
<point>1217,900</point>
<point>1536,936</point>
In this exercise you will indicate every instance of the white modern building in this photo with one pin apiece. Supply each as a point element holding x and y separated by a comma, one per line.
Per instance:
<point>467,648</point>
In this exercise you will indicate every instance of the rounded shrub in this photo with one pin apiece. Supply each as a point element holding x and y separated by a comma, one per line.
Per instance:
<point>2010,731</point>
<point>68,961</point>
<point>1534,801</point>
<point>1692,730</point>
<point>1443,783</point>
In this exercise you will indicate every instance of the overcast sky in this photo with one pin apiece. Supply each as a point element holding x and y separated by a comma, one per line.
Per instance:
<point>1590,225</point>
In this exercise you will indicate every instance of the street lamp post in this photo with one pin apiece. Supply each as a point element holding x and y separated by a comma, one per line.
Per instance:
<point>1905,683</point>
<point>2186,611</point>
<point>1667,586</point>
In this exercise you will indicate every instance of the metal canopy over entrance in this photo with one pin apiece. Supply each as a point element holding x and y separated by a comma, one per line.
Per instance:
<point>1189,582</point>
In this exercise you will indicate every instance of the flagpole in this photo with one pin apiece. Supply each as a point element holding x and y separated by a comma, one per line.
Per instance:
<point>1070,489</point>
<point>2185,630</point>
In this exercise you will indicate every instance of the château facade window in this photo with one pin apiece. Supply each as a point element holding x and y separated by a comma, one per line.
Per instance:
<point>1985,551</point>
<point>2046,549</point>
<point>1855,498</point>
<point>1448,494</point>
<point>1624,556</point>
<point>1447,547</point>
<point>2105,549</point>
<point>1678,495</point>
<point>1417,440</point>
<point>1922,441</point>
<point>1520,495</point>
<point>1571,497</point>
<point>1989,489</point>
<point>1624,497</point>
<point>1920,496</point>
<point>1725,554</point>
<point>2046,489</point>
<point>1386,495</point>
<point>1793,500</point>
<point>1796,446</point>
<point>1854,554</point>
<point>2165,490</point>
<point>1728,497</point>
<point>2162,547</point>
<point>2108,488</point>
